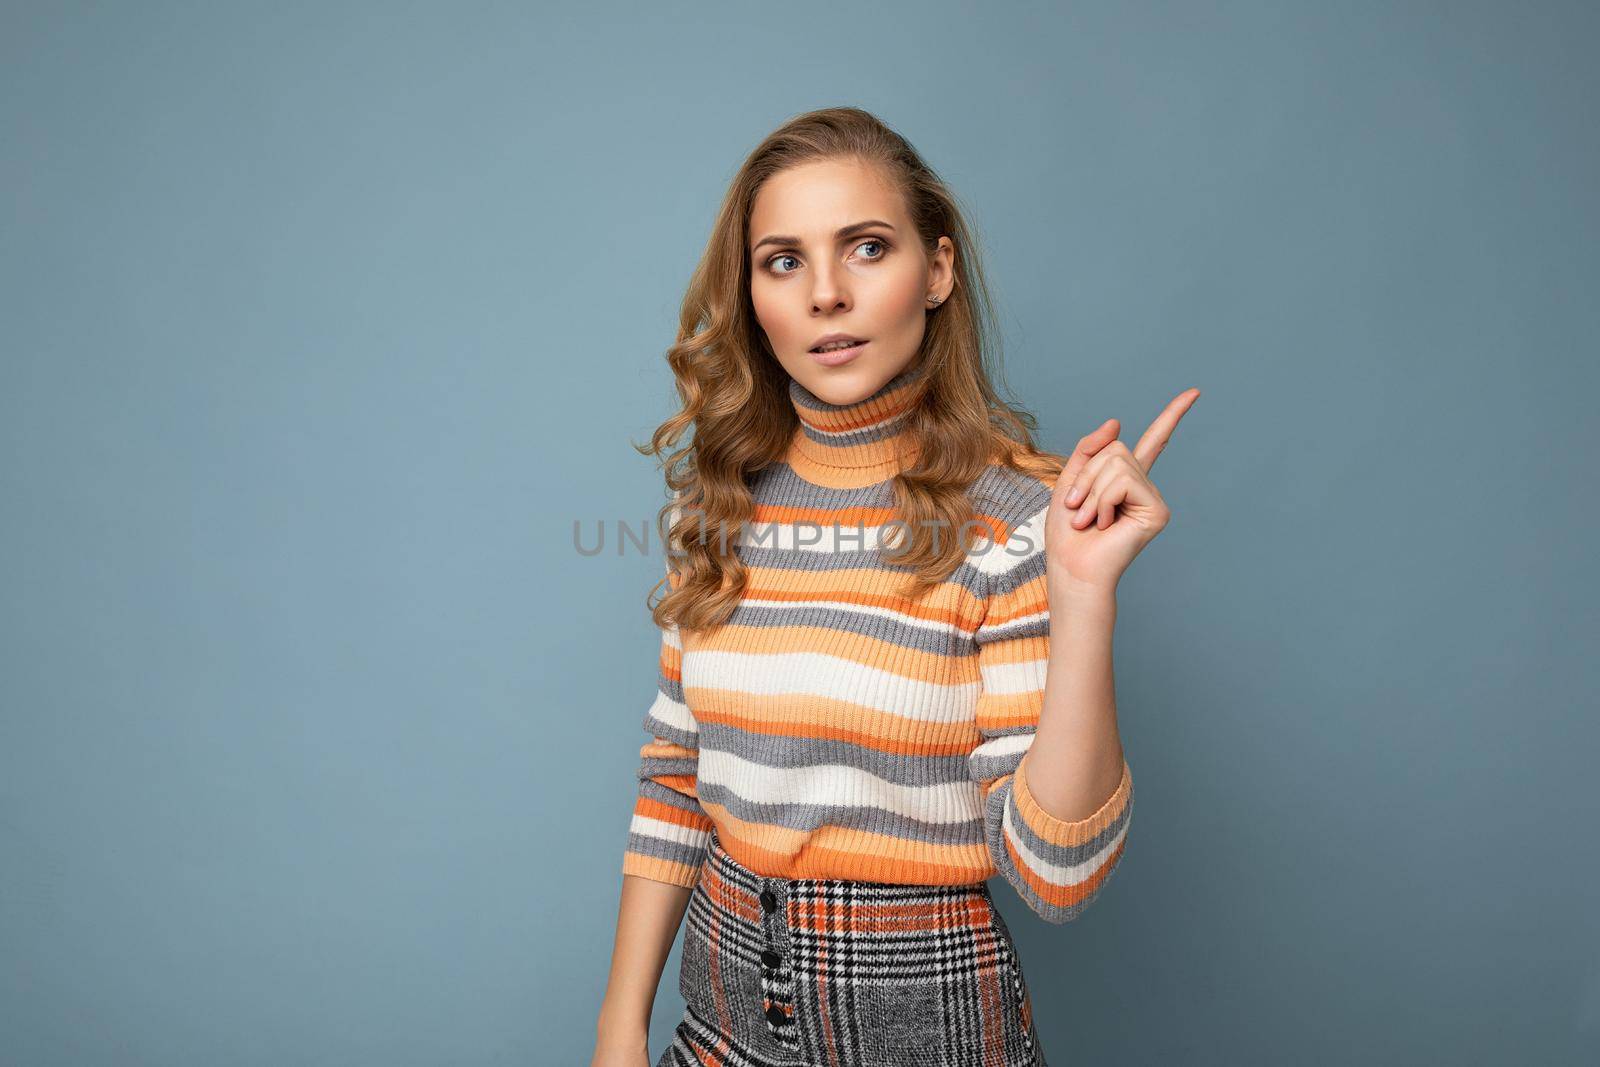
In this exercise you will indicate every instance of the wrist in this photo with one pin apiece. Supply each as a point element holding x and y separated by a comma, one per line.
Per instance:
<point>1068,593</point>
<point>621,1025</point>
<point>620,1043</point>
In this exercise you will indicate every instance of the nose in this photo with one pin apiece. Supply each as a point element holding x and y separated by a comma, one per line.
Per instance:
<point>828,289</point>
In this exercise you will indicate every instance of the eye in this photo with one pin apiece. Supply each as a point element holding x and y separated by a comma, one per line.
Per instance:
<point>875,241</point>
<point>883,247</point>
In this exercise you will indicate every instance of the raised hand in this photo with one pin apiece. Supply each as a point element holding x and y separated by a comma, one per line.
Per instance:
<point>1105,508</point>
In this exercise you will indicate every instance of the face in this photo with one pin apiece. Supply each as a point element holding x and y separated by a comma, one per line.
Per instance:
<point>833,251</point>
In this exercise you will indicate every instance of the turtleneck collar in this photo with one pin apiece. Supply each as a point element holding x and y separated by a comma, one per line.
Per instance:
<point>853,445</point>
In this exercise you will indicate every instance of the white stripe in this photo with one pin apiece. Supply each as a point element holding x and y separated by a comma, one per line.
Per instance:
<point>667,831</point>
<point>1004,745</point>
<point>985,555</point>
<point>1025,542</point>
<point>1054,873</point>
<point>811,675</point>
<point>887,420</point>
<point>673,713</point>
<point>835,785</point>
<point>941,629</point>
<point>1027,676</point>
<point>1000,631</point>
<point>815,536</point>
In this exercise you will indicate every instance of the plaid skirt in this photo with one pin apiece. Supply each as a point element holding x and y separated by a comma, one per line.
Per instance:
<point>808,972</point>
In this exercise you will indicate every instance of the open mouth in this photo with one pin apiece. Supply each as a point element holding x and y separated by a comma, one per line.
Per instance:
<point>836,354</point>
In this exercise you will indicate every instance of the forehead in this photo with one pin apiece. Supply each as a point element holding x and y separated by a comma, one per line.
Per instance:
<point>814,199</point>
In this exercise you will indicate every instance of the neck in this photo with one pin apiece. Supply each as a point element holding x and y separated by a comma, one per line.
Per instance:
<point>856,444</point>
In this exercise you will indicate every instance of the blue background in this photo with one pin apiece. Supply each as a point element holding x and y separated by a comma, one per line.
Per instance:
<point>323,324</point>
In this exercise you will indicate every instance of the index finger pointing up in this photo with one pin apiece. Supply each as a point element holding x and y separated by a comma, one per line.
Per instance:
<point>1160,431</point>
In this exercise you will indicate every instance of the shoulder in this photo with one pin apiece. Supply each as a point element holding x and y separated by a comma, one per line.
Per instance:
<point>1009,499</point>
<point>1013,505</point>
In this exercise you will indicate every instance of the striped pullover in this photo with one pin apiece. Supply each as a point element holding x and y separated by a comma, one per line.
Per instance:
<point>834,729</point>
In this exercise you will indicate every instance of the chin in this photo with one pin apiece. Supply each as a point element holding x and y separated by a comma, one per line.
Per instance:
<point>845,385</point>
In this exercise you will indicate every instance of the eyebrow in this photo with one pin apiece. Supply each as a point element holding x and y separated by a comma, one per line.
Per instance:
<point>839,234</point>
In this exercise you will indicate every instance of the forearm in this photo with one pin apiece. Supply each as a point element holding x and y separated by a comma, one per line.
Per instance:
<point>1076,759</point>
<point>647,923</point>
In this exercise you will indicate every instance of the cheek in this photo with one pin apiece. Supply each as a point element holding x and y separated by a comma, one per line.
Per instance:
<point>768,310</point>
<point>901,300</point>
<point>765,314</point>
<point>902,293</point>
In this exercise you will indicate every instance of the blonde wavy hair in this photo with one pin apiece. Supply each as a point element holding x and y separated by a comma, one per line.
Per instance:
<point>735,393</point>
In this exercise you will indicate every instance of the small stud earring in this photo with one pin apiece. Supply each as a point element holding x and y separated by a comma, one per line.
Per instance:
<point>933,301</point>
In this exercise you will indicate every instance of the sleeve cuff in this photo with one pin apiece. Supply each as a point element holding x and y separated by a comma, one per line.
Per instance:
<point>1063,831</point>
<point>661,870</point>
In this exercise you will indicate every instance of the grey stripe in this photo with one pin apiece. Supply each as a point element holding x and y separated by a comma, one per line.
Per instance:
<point>779,486</point>
<point>965,575</point>
<point>873,820</point>
<point>996,492</point>
<point>988,768</point>
<point>672,687</point>
<point>1002,858</point>
<point>1007,495</point>
<point>878,431</point>
<point>770,750</point>
<point>1062,855</point>
<point>660,848</point>
<point>805,398</point>
<point>656,766</point>
<point>941,638</point>
<point>686,738</point>
<point>649,787</point>
<point>1036,626</point>
<point>1020,569</point>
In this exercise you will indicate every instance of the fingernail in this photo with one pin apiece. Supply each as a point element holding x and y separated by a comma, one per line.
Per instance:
<point>1073,494</point>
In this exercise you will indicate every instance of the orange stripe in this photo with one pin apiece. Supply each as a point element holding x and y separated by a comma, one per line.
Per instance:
<point>1017,650</point>
<point>889,917</point>
<point>999,711</point>
<point>993,1016</point>
<point>851,478</point>
<point>1076,831</point>
<point>660,870</point>
<point>882,858</point>
<point>661,748</point>
<point>1029,598</point>
<point>1064,896</point>
<point>946,602</point>
<point>652,808</point>
<point>879,653</point>
<point>880,410</point>
<point>808,716</point>
<point>992,526</point>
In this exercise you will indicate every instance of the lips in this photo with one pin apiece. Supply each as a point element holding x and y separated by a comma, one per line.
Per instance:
<point>838,357</point>
<point>838,340</point>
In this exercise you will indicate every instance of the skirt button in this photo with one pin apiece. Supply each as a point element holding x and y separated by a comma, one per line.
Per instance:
<point>776,1015</point>
<point>768,901</point>
<point>770,958</point>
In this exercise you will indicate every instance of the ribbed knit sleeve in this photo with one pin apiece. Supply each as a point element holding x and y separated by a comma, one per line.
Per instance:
<point>669,832</point>
<point>1057,866</point>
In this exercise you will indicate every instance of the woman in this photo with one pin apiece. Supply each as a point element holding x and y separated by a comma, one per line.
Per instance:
<point>867,553</point>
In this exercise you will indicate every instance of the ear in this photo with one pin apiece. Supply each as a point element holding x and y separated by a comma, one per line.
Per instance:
<point>941,272</point>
